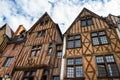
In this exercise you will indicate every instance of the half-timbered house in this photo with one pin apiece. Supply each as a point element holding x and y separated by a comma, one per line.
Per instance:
<point>5,34</point>
<point>11,53</point>
<point>91,49</point>
<point>40,58</point>
<point>116,21</point>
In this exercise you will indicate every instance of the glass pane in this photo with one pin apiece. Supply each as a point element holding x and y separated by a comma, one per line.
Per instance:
<point>8,61</point>
<point>38,52</point>
<point>113,71</point>
<point>95,41</point>
<point>70,72</point>
<point>101,71</point>
<point>70,44</point>
<point>56,78</point>
<point>50,51</point>
<point>89,22</point>
<point>83,23</point>
<point>27,73</point>
<point>70,61</point>
<point>33,73</point>
<point>33,53</point>
<point>104,40</point>
<point>99,59</point>
<point>78,61</point>
<point>77,37</point>
<point>102,33</point>
<point>94,34</point>
<point>79,72</point>
<point>70,38</point>
<point>77,43</point>
<point>110,58</point>
<point>59,54</point>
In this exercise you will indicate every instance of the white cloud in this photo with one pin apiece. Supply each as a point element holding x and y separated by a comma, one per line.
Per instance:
<point>63,12</point>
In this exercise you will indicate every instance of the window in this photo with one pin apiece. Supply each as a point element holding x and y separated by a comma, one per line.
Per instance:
<point>45,73</point>
<point>99,38</point>
<point>74,68</point>
<point>107,66</point>
<point>86,22</point>
<point>50,48</point>
<point>59,54</point>
<point>56,78</point>
<point>41,33</point>
<point>74,41</point>
<point>44,22</point>
<point>8,61</point>
<point>35,51</point>
<point>29,75</point>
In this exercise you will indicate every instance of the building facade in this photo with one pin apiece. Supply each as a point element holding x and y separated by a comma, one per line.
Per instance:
<point>91,49</point>
<point>5,34</point>
<point>88,50</point>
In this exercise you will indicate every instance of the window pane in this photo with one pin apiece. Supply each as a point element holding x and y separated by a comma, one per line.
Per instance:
<point>110,58</point>
<point>102,33</point>
<point>70,44</point>
<point>8,61</point>
<point>79,72</point>
<point>94,34</point>
<point>56,78</point>
<point>70,38</point>
<point>77,43</point>
<point>50,51</point>
<point>78,61</point>
<point>70,72</point>
<point>113,71</point>
<point>33,53</point>
<point>77,37</point>
<point>101,71</point>
<point>83,23</point>
<point>70,61</point>
<point>59,54</point>
<point>95,41</point>
<point>89,22</point>
<point>99,59</point>
<point>103,40</point>
<point>38,52</point>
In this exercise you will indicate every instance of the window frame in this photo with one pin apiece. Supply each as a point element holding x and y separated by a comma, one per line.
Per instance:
<point>35,49</point>
<point>74,41</point>
<point>98,36</point>
<point>105,63</point>
<point>74,65</point>
<point>86,22</point>
<point>60,54</point>
<point>8,62</point>
<point>41,33</point>
<point>30,74</point>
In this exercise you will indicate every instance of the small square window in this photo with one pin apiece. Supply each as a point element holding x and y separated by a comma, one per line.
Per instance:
<point>83,23</point>
<point>70,61</point>
<point>8,62</point>
<point>78,61</point>
<point>41,33</point>
<point>59,54</point>
<point>89,22</point>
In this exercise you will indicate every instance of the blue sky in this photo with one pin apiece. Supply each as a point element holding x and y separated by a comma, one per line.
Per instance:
<point>63,12</point>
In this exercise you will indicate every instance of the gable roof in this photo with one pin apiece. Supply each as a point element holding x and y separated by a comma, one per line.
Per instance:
<point>78,17</point>
<point>46,14</point>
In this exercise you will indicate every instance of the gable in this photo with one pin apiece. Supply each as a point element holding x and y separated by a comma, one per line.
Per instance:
<point>93,22</point>
<point>44,22</point>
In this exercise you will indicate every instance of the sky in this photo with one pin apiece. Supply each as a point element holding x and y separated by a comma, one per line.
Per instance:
<point>62,12</point>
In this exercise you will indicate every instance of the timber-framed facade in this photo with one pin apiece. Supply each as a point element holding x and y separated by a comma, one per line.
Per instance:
<point>91,49</point>
<point>88,50</point>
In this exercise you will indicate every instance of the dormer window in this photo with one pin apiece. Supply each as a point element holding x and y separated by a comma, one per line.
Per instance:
<point>86,22</point>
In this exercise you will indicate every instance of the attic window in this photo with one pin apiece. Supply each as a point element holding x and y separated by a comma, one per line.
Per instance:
<point>44,22</point>
<point>86,22</point>
<point>41,33</point>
